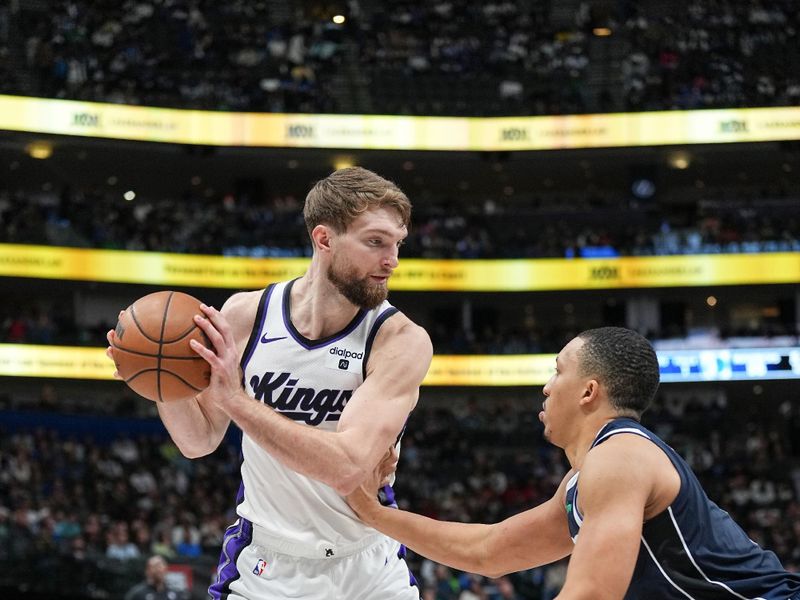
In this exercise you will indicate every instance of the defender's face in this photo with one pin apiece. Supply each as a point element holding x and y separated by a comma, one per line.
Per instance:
<point>563,392</point>
<point>366,255</point>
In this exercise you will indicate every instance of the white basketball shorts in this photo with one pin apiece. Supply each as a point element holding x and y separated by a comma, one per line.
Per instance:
<point>256,566</point>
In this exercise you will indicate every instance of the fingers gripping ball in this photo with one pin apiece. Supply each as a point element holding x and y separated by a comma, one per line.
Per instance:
<point>151,347</point>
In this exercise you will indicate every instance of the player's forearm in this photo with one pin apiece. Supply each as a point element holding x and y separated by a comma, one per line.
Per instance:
<point>312,452</point>
<point>197,427</point>
<point>459,545</point>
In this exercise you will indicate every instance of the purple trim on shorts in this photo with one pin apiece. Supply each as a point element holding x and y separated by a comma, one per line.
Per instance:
<point>237,537</point>
<point>303,340</point>
<point>401,554</point>
<point>387,498</point>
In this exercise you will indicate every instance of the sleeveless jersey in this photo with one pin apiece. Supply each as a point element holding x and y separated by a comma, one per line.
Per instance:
<point>309,381</point>
<point>693,549</point>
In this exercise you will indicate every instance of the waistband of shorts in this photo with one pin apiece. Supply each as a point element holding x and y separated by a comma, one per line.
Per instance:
<point>321,550</point>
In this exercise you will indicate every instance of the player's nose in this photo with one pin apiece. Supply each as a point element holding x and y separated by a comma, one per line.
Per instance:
<point>391,260</point>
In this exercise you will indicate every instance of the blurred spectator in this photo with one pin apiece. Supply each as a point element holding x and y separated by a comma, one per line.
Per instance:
<point>154,586</point>
<point>119,546</point>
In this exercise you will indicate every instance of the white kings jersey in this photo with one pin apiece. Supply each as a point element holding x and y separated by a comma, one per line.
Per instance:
<point>309,381</point>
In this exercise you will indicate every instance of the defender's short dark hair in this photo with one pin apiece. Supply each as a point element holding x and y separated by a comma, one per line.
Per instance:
<point>624,362</point>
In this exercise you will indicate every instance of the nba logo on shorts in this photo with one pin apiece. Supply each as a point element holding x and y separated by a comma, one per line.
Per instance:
<point>344,364</point>
<point>260,566</point>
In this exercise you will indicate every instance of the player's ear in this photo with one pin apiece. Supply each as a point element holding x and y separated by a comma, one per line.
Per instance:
<point>322,235</point>
<point>591,391</point>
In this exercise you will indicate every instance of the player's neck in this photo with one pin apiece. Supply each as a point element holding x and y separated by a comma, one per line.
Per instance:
<point>317,308</point>
<point>577,449</point>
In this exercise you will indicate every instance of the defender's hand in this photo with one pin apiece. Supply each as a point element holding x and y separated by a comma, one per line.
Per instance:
<point>364,499</point>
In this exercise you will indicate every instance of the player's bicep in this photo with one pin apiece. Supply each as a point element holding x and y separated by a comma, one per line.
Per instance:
<point>400,359</point>
<point>378,409</point>
<point>612,494</point>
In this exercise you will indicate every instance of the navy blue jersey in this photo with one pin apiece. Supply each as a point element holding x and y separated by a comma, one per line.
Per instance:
<point>693,549</point>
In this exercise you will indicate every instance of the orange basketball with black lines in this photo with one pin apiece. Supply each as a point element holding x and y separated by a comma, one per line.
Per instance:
<point>151,349</point>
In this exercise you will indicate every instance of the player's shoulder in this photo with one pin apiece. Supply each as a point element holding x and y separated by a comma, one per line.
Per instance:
<point>401,347</point>
<point>243,301</point>
<point>623,457</point>
<point>399,329</point>
<point>631,465</point>
<point>241,308</point>
<point>631,443</point>
<point>401,344</point>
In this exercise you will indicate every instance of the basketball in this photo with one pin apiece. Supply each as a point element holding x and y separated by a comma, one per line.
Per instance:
<point>152,352</point>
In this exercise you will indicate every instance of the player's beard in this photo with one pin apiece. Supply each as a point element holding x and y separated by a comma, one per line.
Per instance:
<point>359,291</point>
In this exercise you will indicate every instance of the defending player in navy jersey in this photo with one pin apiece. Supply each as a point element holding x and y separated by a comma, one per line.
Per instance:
<point>320,374</point>
<point>630,512</point>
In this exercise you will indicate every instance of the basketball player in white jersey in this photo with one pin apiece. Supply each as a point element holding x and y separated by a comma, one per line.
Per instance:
<point>320,374</point>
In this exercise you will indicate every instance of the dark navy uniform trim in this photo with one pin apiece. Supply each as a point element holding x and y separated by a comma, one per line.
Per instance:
<point>303,340</point>
<point>258,325</point>
<point>371,337</point>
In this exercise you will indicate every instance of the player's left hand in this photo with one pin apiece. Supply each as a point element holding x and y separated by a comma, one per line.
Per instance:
<point>111,335</point>
<point>226,376</point>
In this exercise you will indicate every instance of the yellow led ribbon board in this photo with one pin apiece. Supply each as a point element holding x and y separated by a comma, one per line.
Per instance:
<point>119,266</point>
<point>216,128</point>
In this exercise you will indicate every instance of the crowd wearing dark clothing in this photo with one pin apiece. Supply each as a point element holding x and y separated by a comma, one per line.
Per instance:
<point>449,57</point>
<point>712,54</point>
<point>234,225</point>
<point>205,55</point>
<point>110,498</point>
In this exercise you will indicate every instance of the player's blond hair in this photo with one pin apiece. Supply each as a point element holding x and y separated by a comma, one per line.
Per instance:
<point>343,195</point>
